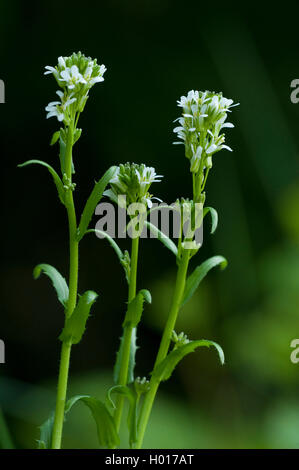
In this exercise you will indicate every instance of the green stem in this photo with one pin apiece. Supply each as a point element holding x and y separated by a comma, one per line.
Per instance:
<point>164,345</point>
<point>73,286</point>
<point>61,395</point>
<point>127,336</point>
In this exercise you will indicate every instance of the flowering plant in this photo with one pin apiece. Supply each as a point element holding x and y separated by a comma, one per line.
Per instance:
<point>203,118</point>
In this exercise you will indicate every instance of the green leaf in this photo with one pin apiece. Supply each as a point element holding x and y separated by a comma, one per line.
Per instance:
<point>110,240</point>
<point>124,258</point>
<point>58,281</point>
<point>199,273</point>
<point>75,325</point>
<point>162,237</point>
<point>106,430</point>
<point>56,178</point>
<point>132,412</point>
<point>164,369</point>
<point>135,308</point>
<point>107,434</point>
<point>44,442</point>
<point>132,363</point>
<point>214,217</point>
<point>132,318</point>
<point>93,201</point>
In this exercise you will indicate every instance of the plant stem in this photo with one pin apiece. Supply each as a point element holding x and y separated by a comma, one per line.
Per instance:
<point>72,300</point>
<point>127,336</point>
<point>61,395</point>
<point>164,345</point>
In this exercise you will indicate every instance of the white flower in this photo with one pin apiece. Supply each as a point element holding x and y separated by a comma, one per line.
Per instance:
<point>59,108</point>
<point>72,77</point>
<point>204,116</point>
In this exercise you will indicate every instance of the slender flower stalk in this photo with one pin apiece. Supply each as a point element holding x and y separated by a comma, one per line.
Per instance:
<point>132,181</point>
<point>75,75</point>
<point>73,287</point>
<point>204,115</point>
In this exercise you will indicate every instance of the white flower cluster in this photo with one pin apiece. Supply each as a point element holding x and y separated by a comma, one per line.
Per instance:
<point>133,181</point>
<point>75,75</point>
<point>204,115</point>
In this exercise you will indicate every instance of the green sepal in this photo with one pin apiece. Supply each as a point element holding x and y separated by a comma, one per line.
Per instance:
<point>58,281</point>
<point>162,237</point>
<point>132,412</point>
<point>56,178</point>
<point>164,369</point>
<point>75,325</point>
<point>93,201</point>
<point>199,273</point>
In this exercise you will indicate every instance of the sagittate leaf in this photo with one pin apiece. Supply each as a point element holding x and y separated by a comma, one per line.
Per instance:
<point>75,325</point>
<point>93,201</point>
<point>162,237</point>
<point>132,361</point>
<point>58,281</point>
<point>57,180</point>
<point>164,369</point>
<point>199,273</point>
<point>107,434</point>
<point>132,318</point>
<point>106,430</point>
<point>214,217</point>
<point>135,308</point>
<point>132,412</point>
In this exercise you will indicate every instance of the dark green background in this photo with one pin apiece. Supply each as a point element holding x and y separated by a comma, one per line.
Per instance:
<point>154,52</point>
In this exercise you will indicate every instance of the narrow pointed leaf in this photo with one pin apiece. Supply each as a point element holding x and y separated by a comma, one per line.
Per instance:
<point>166,367</point>
<point>57,180</point>
<point>75,325</point>
<point>58,281</point>
<point>106,430</point>
<point>132,412</point>
<point>162,237</point>
<point>214,217</point>
<point>199,273</point>
<point>132,362</point>
<point>110,240</point>
<point>93,201</point>
<point>135,308</point>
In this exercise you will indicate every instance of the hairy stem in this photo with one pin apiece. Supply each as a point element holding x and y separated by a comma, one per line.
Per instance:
<point>164,345</point>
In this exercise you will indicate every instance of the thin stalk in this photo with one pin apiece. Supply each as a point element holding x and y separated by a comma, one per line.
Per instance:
<point>164,345</point>
<point>127,337</point>
<point>73,286</point>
